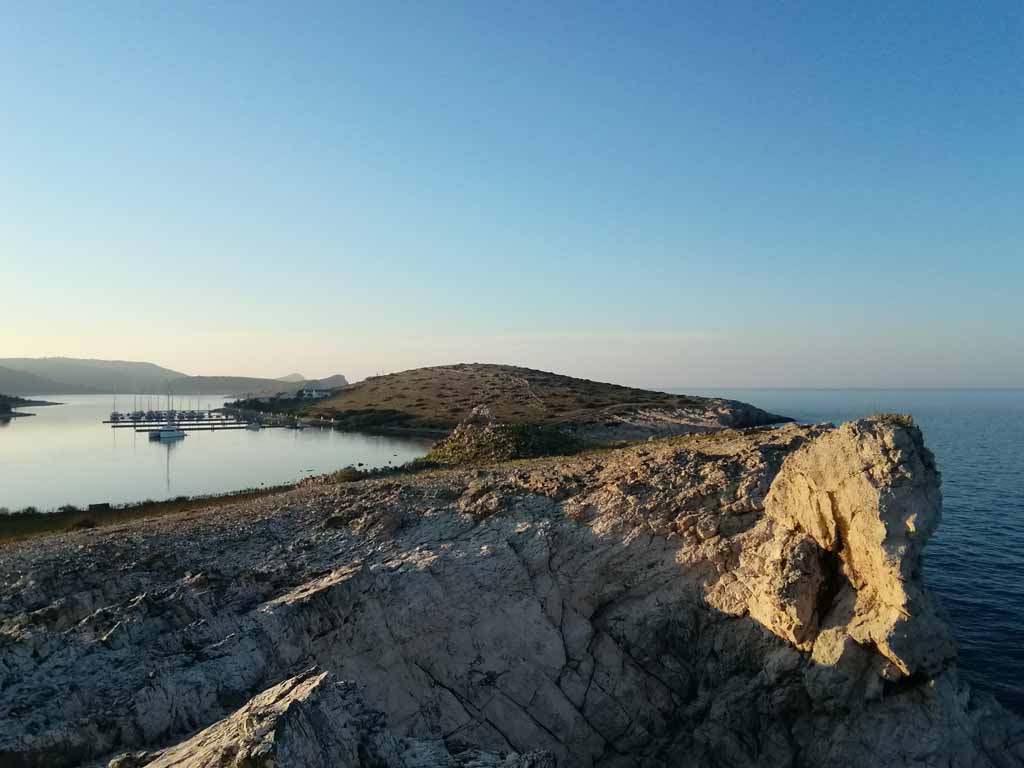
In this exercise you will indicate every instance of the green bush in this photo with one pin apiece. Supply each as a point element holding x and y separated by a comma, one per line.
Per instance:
<point>348,475</point>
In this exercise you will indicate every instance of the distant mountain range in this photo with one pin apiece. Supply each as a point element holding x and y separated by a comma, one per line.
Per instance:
<point>72,376</point>
<point>14,382</point>
<point>241,385</point>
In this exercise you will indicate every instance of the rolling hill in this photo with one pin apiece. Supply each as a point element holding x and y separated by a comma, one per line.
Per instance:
<point>438,398</point>
<point>69,376</point>
<point>76,376</point>
<point>243,385</point>
<point>13,382</point>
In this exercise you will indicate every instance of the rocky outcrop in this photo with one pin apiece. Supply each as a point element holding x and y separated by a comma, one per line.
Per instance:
<point>730,599</point>
<point>482,438</point>
<point>652,420</point>
<point>315,721</point>
<point>875,523</point>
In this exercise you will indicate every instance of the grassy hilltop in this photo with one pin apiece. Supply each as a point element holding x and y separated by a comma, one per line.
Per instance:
<point>438,398</point>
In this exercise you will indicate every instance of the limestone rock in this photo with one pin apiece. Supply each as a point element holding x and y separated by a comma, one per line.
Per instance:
<point>661,421</point>
<point>868,493</point>
<point>309,720</point>
<point>315,721</point>
<point>736,598</point>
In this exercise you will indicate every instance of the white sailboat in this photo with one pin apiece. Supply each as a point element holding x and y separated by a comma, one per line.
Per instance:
<point>167,433</point>
<point>170,431</point>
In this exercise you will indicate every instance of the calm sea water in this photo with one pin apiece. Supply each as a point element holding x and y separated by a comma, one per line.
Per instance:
<point>975,562</point>
<point>65,455</point>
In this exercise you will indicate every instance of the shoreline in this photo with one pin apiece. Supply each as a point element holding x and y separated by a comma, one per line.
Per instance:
<point>13,402</point>
<point>32,403</point>
<point>19,526</point>
<point>325,423</point>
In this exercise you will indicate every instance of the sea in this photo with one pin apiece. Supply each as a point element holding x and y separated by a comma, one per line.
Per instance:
<point>64,454</point>
<point>975,561</point>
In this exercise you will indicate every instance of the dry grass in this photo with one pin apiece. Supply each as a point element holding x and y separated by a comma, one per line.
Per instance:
<point>18,526</point>
<point>439,397</point>
<point>899,419</point>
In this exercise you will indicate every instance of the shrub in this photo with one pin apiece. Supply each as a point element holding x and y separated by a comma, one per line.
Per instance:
<point>898,419</point>
<point>500,442</point>
<point>348,475</point>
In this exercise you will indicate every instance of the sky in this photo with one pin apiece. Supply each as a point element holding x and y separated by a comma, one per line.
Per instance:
<point>657,194</point>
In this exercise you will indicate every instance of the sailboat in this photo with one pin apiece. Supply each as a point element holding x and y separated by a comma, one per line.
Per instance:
<point>169,431</point>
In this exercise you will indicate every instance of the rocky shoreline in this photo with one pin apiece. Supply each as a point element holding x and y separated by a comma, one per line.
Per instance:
<point>736,598</point>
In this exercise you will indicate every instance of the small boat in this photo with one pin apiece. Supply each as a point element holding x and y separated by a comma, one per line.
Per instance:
<point>255,426</point>
<point>167,433</point>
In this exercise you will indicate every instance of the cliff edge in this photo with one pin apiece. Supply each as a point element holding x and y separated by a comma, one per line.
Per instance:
<point>737,598</point>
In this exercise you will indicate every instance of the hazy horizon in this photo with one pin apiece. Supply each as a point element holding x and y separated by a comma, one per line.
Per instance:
<point>659,196</point>
<point>629,382</point>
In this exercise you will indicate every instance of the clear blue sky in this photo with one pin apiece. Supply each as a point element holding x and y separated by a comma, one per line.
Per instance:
<point>660,194</point>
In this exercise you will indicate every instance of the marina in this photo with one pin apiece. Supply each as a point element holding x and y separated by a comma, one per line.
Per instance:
<point>160,423</point>
<point>76,454</point>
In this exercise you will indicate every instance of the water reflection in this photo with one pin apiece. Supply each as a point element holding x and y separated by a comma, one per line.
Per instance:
<point>169,446</point>
<point>65,455</point>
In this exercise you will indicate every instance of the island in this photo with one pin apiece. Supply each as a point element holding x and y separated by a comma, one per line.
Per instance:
<point>727,594</point>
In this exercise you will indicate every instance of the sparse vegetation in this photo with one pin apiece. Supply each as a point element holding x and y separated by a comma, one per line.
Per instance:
<point>899,419</point>
<point>348,475</point>
<point>30,521</point>
<point>472,443</point>
<point>444,395</point>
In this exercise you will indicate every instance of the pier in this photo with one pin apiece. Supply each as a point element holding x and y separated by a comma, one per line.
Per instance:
<point>194,421</point>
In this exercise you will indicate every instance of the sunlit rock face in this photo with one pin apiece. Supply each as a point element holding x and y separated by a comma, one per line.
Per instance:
<point>730,599</point>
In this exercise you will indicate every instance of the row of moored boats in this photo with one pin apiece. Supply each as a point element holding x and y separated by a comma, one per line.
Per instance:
<point>163,416</point>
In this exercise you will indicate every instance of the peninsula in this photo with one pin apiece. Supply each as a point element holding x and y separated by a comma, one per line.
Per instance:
<point>8,404</point>
<point>436,399</point>
<point>737,597</point>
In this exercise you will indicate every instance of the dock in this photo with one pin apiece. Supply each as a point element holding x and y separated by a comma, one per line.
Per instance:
<point>192,421</point>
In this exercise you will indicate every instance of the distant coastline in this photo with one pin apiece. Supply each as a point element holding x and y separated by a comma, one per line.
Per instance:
<point>27,403</point>
<point>9,402</point>
<point>68,376</point>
